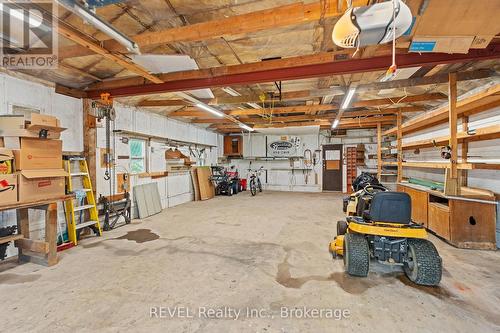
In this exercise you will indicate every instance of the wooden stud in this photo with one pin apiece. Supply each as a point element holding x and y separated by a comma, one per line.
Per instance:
<point>379,150</point>
<point>399,121</point>
<point>465,151</point>
<point>452,116</point>
<point>90,140</point>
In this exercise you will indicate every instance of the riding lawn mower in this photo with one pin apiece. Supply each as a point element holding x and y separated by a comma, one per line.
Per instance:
<point>378,226</point>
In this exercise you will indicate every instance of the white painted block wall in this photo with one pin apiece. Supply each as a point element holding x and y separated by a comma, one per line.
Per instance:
<point>15,91</point>
<point>174,190</point>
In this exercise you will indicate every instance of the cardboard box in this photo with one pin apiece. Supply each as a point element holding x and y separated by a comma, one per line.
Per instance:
<point>451,44</point>
<point>459,18</point>
<point>481,42</point>
<point>6,161</point>
<point>25,133</point>
<point>2,144</point>
<point>38,154</point>
<point>11,122</point>
<point>44,120</point>
<point>14,126</point>
<point>8,189</point>
<point>36,185</point>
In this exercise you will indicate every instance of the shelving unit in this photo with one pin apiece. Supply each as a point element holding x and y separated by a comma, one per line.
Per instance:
<point>456,167</point>
<point>351,166</point>
<point>463,216</point>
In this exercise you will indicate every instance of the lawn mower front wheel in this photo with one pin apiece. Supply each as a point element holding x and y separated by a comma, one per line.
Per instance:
<point>356,255</point>
<point>341,227</point>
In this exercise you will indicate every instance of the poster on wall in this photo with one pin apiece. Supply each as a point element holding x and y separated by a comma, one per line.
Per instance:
<point>283,146</point>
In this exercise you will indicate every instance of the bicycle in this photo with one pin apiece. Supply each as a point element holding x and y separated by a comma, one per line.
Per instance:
<point>255,183</point>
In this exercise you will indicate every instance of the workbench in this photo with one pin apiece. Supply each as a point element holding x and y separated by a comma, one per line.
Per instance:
<point>463,221</point>
<point>42,252</point>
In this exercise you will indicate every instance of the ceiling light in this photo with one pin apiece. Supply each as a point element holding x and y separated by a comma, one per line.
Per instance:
<point>327,99</point>
<point>254,105</point>
<point>246,127</point>
<point>348,98</point>
<point>100,24</point>
<point>210,109</point>
<point>231,91</point>
<point>335,123</point>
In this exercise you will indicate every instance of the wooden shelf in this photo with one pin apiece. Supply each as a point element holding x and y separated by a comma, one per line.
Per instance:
<point>481,101</point>
<point>485,133</point>
<point>10,238</point>
<point>445,165</point>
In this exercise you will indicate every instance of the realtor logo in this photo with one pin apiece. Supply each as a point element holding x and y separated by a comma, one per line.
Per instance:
<point>28,36</point>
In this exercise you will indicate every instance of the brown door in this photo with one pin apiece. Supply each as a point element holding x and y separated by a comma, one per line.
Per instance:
<point>332,167</point>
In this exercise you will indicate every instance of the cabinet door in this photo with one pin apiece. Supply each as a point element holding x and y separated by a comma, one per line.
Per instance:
<point>233,145</point>
<point>472,224</point>
<point>439,219</point>
<point>419,203</point>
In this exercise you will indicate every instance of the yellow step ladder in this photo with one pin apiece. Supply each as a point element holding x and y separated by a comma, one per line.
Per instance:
<point>84,198</point>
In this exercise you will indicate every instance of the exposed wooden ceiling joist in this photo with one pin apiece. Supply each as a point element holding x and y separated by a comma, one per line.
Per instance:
<point>123,61</point>
<point>297,13</point>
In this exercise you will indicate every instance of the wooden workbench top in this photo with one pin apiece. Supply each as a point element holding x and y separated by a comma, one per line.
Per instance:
<point>442,195</point>
<point>29,204</point>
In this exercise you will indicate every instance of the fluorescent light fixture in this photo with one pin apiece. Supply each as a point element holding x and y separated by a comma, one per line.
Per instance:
<point>231,91</point>
<point>246,127</point>
<point>210,109</point>
<point>335,123</point>
<point>327,99</point>
<point>348,97</point>
<point>254,105</point>
<point>98,23</point>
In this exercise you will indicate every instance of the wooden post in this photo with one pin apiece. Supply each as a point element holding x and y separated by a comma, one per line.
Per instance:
<point>51,233</point>
<point>465,151</point>
<point>89,140</point>
<point>399,122</point>
<point>451,183</point>
<point>23,227</point>
<point>379,151</point>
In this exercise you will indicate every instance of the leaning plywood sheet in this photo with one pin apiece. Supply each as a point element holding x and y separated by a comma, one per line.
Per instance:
<point>196,185</point>
<point>207,190</point>
<point>147,198</point>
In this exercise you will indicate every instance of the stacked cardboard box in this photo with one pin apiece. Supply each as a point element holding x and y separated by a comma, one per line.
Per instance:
<point>35,154</point>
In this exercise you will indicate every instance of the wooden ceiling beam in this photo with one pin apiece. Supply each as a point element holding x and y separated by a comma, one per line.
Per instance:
<point>163,102</point>
<point>308,109</point>
<point>294,72</point>
<point>304,95</point>
<point>209,73</point>
<point>401,100</point>
<point>86,42</point>
<point>296,13</point>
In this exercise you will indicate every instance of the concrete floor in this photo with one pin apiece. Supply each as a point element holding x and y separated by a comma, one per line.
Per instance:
<point>263,254</point>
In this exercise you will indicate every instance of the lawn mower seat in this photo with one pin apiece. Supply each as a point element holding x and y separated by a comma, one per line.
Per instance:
<point>392,207</point>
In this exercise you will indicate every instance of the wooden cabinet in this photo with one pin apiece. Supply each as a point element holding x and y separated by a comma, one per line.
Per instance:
<point>472,224</point>
<point>439,219</point>
<point>463,222</point>
<point>419,200</point>
<point>233,145</point>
